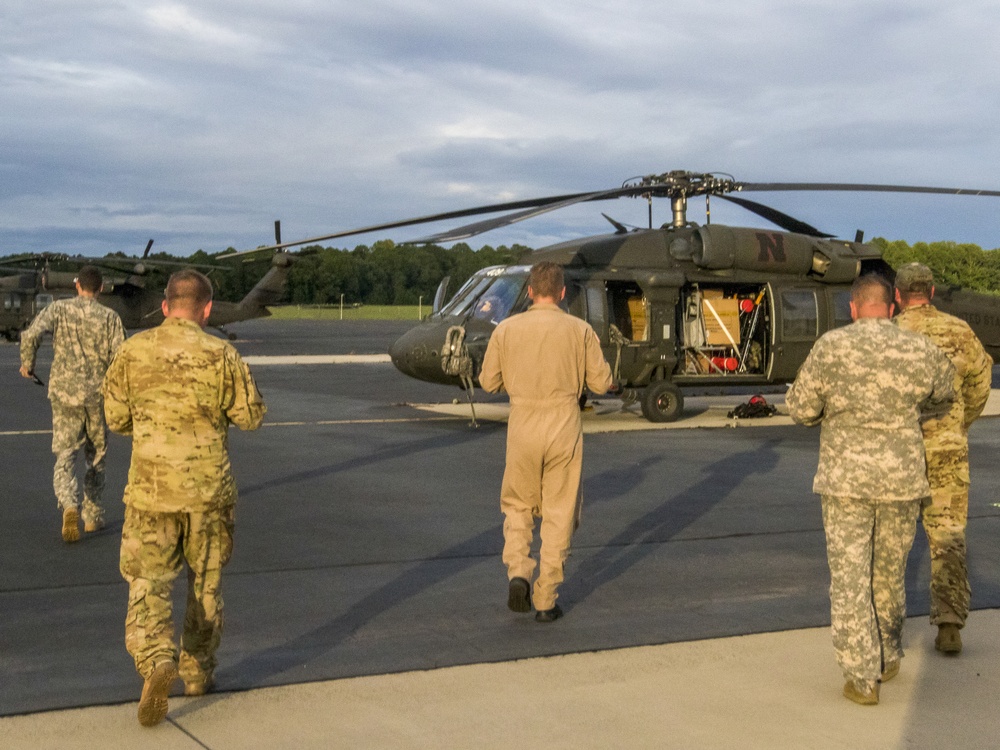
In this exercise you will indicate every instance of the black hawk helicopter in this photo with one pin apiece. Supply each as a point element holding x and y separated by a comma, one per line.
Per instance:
<point>127,291</point>
<point>675,306</point>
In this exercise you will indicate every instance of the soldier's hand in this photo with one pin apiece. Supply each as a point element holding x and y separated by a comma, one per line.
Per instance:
<point>26,373</point>
<point>616,388</point>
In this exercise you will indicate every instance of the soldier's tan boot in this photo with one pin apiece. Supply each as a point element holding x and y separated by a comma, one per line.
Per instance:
<point>863,697</point>
<point>948,640</point>
<point>91,526</point>
<point>199,686</point>
<point>153,703</point>
<point>71,525</point>
<point>891,670</point>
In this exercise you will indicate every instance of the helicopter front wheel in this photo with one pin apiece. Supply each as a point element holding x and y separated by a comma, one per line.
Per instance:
<point>662,402</point>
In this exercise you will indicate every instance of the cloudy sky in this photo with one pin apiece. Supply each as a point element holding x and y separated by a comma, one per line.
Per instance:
<point>199,124</point>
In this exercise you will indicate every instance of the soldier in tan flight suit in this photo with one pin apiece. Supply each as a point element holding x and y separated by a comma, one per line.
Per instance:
<point>946,441</point>
<point>543,358</point>
<point>176,390</point>
<point>85,335</point>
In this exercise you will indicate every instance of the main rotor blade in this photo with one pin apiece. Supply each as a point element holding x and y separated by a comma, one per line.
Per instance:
<point>786,222</point>
<point>669,185</point>
<point>855,187</point>
<point>470,230</point>
<point>115,264</point>
<point>492,208</point>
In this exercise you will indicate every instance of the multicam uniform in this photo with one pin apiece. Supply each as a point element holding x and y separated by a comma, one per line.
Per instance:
<point>176,390</point>
<point>867,383</point>
<point>946,440</point>
<point>544,358</point>
<point>85,336</point>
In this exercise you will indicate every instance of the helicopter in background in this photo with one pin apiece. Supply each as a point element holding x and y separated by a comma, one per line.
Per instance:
<point>127,290</point>
<point>676,306</point>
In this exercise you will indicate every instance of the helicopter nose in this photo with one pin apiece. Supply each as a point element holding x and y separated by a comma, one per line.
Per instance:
<point>417,353</point>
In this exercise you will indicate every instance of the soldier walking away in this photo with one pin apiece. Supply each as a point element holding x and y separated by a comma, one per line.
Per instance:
<point>544,358</point>
<point>869,384</point>
<point>85,336</point>
<point>176,390</point>
<point>946,441</point>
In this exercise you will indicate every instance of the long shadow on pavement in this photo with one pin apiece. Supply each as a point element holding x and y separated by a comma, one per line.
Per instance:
<point>643,536</point>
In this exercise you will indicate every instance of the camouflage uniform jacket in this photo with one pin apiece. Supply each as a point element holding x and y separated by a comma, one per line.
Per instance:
<point>869,383</point>
<point>85,336</point>
<point>973,374</point>
<point>176,390</point>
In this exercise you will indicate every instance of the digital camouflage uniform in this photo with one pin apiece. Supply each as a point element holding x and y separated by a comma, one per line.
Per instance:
<point>543,358</point>
<point>176,390</point>
<point>946,440</point>
<point>868,385</point>
<point>85,336</point>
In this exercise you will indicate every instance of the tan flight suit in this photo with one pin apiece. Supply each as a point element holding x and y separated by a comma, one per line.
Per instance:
<point>543,358</point>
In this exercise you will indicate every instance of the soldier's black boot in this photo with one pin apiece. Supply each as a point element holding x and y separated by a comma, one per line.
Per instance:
<point>519,595</point>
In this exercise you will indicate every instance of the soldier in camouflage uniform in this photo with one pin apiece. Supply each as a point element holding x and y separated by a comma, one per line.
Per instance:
<point>176,390</point>
<point>869,384</point>
<point>85,335</point>
<point>946,442</point>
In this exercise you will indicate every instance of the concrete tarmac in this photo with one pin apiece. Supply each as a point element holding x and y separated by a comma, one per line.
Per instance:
<point>768,690</point>
<point>365,601</point>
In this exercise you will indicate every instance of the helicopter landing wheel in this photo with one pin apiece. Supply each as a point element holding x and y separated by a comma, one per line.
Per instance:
<point>662,402</point>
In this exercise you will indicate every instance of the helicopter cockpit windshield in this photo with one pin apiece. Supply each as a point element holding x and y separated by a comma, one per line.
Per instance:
<point>490,295</point>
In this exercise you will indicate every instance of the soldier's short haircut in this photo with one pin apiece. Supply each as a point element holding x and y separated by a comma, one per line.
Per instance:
<point>90,279</point>
<point>916,290</point>
<point>188,289</point>
<point>871,289</point>
<point>546,279</point>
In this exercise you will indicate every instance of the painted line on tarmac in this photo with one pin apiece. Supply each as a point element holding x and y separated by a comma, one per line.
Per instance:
<point>400,420</point>
<point>319,422</point>
<point>317,359</point>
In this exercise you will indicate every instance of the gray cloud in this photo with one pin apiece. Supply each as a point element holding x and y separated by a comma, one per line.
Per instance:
<point>199,124</point>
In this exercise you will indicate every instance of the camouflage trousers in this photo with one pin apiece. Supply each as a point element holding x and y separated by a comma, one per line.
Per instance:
<point>73,428</point>
<point>944,517</point>
<point>154,548</point>
<point>867,543</point>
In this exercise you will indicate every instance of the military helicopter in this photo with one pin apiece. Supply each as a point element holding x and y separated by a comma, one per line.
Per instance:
<point>676,306</point>
<point>126,291</point>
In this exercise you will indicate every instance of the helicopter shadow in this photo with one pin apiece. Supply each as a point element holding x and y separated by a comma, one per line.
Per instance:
<point>258,668</point>
<point>419,445</point>
<point>665,522</point>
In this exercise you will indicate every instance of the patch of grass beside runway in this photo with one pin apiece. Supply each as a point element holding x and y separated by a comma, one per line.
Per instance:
<point>364,312</point>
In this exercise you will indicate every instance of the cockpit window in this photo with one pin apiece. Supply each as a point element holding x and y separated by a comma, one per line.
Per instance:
<point>489,295</point>
<point>466,296</point>
<point>496,302</point>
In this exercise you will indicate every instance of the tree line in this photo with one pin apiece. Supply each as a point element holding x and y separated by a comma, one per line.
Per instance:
<point>953,264</point>
<point>383,274</point>
<point>389,274</point>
